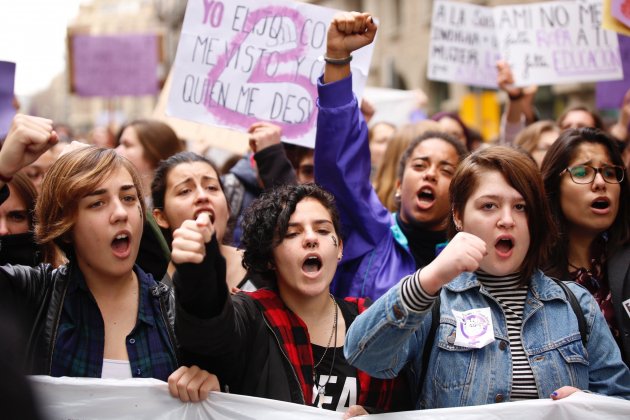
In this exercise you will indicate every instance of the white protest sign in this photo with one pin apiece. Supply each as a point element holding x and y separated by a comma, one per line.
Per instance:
<point>243,61</point>
<point>463,45</point>
<point>93,398</point>
<point>557,42</point>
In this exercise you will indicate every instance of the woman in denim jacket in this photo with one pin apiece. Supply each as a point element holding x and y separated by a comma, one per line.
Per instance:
<point>506,331</point>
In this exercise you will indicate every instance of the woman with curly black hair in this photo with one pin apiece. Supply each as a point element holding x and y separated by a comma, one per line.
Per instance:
<point>284,342</point>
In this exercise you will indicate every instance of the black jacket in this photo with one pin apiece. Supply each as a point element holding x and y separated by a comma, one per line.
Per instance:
<point>40,291</point>
<point>231,337</point>
<point>619,281</point>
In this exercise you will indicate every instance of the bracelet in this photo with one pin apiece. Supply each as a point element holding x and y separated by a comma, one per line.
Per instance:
<point>338,61</point>
<point>518,96</point>
<point>5,179</point>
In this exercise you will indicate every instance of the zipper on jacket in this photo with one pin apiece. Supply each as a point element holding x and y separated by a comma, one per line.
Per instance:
<point>286,357</point>
<point>164,295</point>
<point>56,324</point>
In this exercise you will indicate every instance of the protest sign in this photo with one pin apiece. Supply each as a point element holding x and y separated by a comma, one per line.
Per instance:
<point>7,84</point>
<point>609,95</point>
<point>243,61</point>
<point>545,43</point>
<point>557,42</point>
<point>463,45</point>
<point>114,65</point>
<point>95,398</point>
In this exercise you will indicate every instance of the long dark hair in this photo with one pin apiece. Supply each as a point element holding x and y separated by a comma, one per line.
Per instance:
<point>556,160</point>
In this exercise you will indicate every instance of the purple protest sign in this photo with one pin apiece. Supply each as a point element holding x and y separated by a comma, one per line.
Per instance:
<point>609,95</point>
<point>620,9</point>
<point>115,65</point>
<point>7,82</point>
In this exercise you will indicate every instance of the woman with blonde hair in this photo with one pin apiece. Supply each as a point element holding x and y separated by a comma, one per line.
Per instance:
<point>536,138</point>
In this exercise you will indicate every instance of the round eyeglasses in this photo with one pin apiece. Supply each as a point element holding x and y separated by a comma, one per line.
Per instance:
<point>585,174</point>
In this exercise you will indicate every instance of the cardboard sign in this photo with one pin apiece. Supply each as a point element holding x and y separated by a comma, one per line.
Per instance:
<point>463,45</point>
<point>7,85</point>
<point>545,43</point>
<point>244,61</point>
<point>115,65</point>
<point>557,42</point>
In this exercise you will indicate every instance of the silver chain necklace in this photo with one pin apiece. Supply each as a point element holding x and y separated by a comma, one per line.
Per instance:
<point>322,388</point>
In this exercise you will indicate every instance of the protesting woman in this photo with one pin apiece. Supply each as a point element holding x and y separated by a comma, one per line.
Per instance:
<point>503,330</point>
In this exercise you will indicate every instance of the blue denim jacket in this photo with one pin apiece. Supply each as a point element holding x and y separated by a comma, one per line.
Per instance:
<point>389,336</point>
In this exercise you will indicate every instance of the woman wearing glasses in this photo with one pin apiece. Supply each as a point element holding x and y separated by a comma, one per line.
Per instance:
<point>589,197</point>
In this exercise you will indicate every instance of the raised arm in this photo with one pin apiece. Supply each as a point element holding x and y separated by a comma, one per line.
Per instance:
<point>519,110</point>
<point>274,168</point>
<point>342,154</point>
<point>28,138</point>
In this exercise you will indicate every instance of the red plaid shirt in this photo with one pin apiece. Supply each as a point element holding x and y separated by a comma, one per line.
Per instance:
<point>296,345</point>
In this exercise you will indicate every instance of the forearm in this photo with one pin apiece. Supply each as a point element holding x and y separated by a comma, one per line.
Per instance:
<point>342,166</point>
<point>386,336</point>
<point>274,167</point>
<point>201,289</point>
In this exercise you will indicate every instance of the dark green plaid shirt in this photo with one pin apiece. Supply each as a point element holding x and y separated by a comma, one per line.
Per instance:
<point>79,346</point>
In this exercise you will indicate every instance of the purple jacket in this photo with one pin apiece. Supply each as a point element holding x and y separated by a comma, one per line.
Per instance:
<point>375,254</point>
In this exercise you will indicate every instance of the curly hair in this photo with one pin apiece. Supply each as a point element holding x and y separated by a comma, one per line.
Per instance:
<point>266,220</point>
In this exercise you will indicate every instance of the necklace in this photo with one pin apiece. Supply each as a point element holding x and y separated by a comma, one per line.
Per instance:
<point>322,388</point>
<point>332,332</point>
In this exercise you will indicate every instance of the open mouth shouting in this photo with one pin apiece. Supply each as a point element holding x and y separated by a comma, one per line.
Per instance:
<point>601,205</point>
<point>426,197</point>
<point>207,210</point>
<point>312,264</point>
<point>121,245</point>
<point>504,246</point>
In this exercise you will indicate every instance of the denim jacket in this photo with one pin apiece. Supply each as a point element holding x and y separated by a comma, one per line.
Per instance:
<point>388,335</point>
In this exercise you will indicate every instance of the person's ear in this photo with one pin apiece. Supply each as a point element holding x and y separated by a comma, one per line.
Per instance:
<point>397,192</point>
<point>457,220</point>
<point>340,250</point>
<point>160,219</point>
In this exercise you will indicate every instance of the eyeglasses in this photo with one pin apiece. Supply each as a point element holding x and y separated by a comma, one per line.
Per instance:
<point>585,174</point>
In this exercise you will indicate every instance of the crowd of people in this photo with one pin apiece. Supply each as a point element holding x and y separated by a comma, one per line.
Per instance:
<point>389,269</point>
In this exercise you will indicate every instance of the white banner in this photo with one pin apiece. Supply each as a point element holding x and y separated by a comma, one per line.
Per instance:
<point>88,398</point>
<point>545,43</point>
<point>243,61</point>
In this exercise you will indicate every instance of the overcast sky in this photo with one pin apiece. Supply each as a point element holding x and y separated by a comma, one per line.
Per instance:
<point>32,34</point>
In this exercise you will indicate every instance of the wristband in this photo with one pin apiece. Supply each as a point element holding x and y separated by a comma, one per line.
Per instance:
<point>5,179</point>
<point>337,61</point>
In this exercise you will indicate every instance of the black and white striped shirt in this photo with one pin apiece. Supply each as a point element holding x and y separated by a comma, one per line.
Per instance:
<point>511,297</point>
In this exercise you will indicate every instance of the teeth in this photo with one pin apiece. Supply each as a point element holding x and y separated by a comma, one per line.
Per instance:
<point>121,236</point>
<point>426,191</point>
